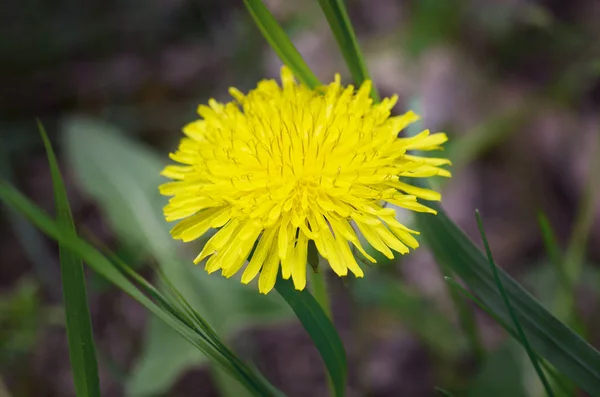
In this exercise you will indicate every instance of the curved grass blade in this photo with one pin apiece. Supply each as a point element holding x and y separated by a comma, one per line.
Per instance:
<point>82,350</point>
<point>511,312</point>
<point>321,331</point>
<point>339,21</point>
<point>549,338</point>
<point>163,308</point>
<point>280,42</point>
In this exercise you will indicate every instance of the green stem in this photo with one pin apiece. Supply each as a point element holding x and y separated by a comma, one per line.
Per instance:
<point>319,290</point>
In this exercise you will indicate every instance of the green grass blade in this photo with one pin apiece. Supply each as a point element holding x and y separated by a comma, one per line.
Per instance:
<point>564,349</point>
<point>339,21</point>
<point>79,326</point>
<point>511,312</point>
<point>280,42</point>
<point>321,331</point>
<point>213,348</point>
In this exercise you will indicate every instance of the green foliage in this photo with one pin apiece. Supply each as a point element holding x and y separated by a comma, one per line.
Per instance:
<point>79,327</point>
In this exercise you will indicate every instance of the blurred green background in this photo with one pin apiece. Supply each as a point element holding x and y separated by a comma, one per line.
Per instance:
<point>516,84</point>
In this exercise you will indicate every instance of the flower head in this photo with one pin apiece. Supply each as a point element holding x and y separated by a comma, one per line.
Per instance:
<point>283,165</point>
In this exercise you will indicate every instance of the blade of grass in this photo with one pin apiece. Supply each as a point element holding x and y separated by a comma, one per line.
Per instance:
<point>280,42</point>
<point>509,307</point>
<point>165,310</point>
<point>321,331</point>
<point>341,26</point>
<point>79,325</point>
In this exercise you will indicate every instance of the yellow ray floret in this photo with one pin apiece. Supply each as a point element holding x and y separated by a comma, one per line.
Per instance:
<point>283,165</point>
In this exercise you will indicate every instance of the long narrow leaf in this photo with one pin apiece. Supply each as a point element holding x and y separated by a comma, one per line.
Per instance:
<point>321,331</point>
<point>515,320</point>
<point>166,311</point>
<point>551,339</point>
<point>79,326</point>
<point>280,42</point>
<point>339,21</point>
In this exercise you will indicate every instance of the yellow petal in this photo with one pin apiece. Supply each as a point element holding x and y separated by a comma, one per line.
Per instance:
<point>299,262</point>
<point>268,274</point>
<point>260,255</point>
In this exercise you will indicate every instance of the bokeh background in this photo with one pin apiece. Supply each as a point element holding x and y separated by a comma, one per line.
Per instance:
<point>515,83</point>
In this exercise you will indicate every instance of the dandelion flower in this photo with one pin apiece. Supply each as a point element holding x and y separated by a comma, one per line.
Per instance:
<point>285,164</point>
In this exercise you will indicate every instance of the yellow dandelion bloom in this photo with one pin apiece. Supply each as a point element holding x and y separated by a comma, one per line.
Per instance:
<point>283,165</point>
